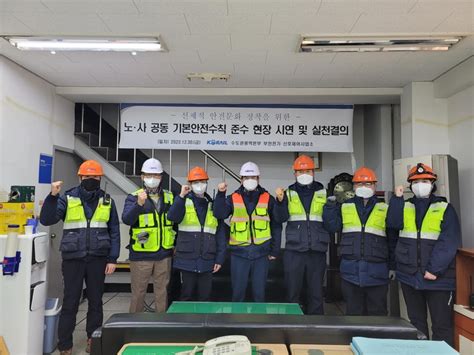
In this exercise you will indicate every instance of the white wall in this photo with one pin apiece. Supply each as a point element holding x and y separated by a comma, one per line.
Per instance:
<point>424,121</point>
<point>32,120</point>
<point>406,134</point>
<point>461,147</point>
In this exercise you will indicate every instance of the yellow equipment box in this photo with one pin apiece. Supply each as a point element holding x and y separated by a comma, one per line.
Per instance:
<point>15,213</point>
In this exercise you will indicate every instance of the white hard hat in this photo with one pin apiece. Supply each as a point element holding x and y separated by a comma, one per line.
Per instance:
<point>249,169</point>
<point>152,166</point>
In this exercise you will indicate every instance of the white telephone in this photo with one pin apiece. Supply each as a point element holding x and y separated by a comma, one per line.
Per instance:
<point>230,344</point>
<point>226,345</point>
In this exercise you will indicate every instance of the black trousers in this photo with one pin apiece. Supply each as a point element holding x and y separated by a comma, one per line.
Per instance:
<point>440,304</point>
<point>194,281</point>
<point>92,270</point>
<point>296,266</point>
<point>243,269</point>
<point>362,301</point>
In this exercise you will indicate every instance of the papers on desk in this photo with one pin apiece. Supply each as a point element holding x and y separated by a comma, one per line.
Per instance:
<point>370,346</point>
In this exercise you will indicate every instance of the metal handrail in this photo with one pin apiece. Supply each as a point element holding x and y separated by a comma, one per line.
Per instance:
<point>221,165</point>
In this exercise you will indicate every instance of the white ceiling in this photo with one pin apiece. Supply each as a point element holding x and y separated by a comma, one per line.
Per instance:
<point>253,40</point>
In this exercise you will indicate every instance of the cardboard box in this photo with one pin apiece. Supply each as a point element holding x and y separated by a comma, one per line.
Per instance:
<point>15,213</point>
<point>320,349</point>
<point>3,347</point>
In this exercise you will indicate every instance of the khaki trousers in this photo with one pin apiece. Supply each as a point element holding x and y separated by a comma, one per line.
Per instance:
<point>140,276</point>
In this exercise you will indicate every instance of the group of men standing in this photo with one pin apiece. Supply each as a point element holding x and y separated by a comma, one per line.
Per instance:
<point>417,238</point>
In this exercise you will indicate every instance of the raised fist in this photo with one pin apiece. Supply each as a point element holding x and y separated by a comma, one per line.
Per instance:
<point>56,187</point>
<point>399,191</point>
<point>142,196</point>
<point>280,193</point>
<point>222,187</point>
<point>185,189</point>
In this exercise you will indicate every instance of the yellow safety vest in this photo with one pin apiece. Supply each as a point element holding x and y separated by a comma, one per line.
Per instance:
<point>76,217</point>
<point>244,228</point>
<point>296,208</point>
<point>160,229</point>
<point>190,222</point>
<point>375,223</point>
<point>431,226</point>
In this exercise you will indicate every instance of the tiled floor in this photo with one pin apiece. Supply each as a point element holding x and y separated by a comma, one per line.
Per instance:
<point>119,303</point>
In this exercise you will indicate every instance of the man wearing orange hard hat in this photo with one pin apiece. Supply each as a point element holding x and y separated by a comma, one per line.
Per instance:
<point>429,236</point>
<point>364,246</point>
<point>306,238</point>
<point>200,242</point>
<point>89,247</point>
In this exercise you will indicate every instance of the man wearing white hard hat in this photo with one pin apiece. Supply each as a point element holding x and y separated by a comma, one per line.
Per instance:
<point>254,234</point>
<point>151,237</point>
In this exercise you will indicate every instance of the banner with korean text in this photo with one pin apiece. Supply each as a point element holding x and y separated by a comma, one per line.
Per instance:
<point>294,128</point>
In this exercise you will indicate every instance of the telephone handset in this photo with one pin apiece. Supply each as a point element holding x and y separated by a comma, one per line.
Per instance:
<point>229,344</point>
<point>226,345</point>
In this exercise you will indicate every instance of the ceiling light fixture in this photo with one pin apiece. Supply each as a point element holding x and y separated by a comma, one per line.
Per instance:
<point>125,44</point>
<point>377,44</point>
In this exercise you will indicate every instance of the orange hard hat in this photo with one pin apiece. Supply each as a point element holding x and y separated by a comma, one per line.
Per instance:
<point>364,175</point>
<point>90,168</point>
<point>303,162</point>
<point>197,173</point>
<point>421,171</point>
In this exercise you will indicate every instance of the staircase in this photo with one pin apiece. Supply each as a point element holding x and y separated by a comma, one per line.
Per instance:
<point>96,127</point>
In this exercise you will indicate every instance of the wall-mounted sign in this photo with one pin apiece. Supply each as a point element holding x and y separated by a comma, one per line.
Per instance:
<point>320,128</point>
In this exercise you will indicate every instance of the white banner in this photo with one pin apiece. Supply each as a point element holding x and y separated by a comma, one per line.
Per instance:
<point>320,128</point>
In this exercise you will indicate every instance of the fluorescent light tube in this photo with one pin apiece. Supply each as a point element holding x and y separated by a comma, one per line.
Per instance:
<point>87,44</point>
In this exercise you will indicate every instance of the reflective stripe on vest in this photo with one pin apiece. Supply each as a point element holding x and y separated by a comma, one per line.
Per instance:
<point>190,222</point>
<point>431,225</point>
<point>160,234</point>
<point>240,233</point>
<point>375,223</point>
<point>296,208</point>
<point>76,217</point>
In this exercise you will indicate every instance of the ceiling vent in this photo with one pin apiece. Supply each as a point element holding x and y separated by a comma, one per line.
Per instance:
<point>317,44</point>
<point>208,77</point>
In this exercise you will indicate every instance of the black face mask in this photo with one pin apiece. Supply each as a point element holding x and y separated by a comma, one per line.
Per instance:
<point>90,184</point>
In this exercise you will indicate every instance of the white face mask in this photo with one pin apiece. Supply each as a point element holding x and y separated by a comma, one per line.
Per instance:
<point>199,188</point>
<point>152,182</point>
<point>422,189</point>
<point>250,184</point>
<point>304,179</point>
<point>364,192</point>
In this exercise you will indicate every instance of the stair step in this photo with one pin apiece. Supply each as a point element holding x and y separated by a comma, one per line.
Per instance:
<point>125,167</point>
<point>85,137</point>
<point>102,151</point>
<point>106,152</point>
<point>136,179</point>
<point>91,139</point>
<point>112,153</point>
